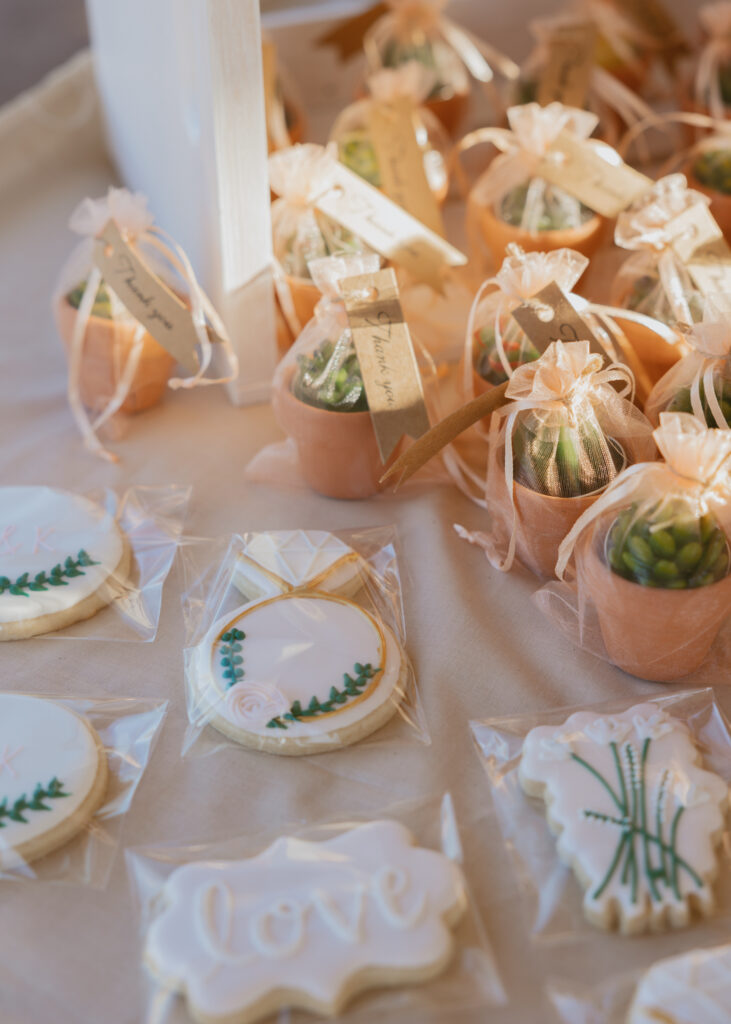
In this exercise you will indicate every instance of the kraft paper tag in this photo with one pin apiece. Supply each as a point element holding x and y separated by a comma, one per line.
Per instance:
<point>146,297</point>
<point>388,229</point>
<point>576,167</point>
<point>549,316</point>
<point>401,161</point>
<point>565,77</point>
<point>386,357</point>
<point>347,36</point>
<point>693,228</point>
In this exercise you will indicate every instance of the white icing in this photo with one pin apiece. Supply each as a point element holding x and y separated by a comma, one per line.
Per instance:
<point>41,527</point>
<point>41,741</point>
<point>296,647</point>
<point>277,562</point>
<point>579,806</point>
<point>693,988</point>
<point>303,917</point>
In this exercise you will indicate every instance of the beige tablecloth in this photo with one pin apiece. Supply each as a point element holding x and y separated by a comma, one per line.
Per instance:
<point>71,955</point>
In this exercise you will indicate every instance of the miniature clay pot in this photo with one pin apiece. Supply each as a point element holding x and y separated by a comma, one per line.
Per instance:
<point>650,632</point>
<point>106,348</point>
<point>655,354</point>
<point>543,522</point>
<point>498,234</point>
<point>338,452</point>
<point>720,201</point>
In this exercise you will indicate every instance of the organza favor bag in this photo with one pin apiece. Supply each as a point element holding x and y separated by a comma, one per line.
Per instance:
<point>647,566</point>
<point>568,429</point>
<point>701,382</point>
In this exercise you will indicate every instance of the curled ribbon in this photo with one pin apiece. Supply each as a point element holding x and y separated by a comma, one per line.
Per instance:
<point>716,20</point>
<point>130,213</point>
<point>711,344</point>
<point>697,464</point>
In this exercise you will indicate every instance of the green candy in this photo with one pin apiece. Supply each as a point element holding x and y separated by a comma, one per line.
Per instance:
<point>330,378</point>
<point>689,556</point>
<point>662,544</point>
<point>640,549</point>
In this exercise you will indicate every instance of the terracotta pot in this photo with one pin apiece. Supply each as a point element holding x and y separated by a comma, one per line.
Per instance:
<point>498,234</point>
<point>655,354</point>
<point>543,522</point>
<point>337,451</point>
<point>451,111</point>
<point>720,202</point>
<point>305,296</point>
<point>655,634</point>
<point>106,347</point>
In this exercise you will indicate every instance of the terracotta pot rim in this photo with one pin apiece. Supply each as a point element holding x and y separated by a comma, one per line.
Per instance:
<point>594,222</point>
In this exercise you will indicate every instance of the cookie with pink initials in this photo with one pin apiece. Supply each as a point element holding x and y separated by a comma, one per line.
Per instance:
<point>305,925</point>
<point>637,816</point>
<point>62,558</point>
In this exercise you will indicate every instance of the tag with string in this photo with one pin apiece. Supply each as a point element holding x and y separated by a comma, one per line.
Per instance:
<point>567,72</point>
<point>699,242</point>
<point>386,357</point>
<point>146,297</point>
<point>401,161</point>
<point>549,316</point>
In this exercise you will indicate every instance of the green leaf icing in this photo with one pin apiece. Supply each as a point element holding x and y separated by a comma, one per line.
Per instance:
<point>22,806</point>
<point>352,687</point>
<point>231,658</point>
<point>58,576</point>
<point>641,845</point>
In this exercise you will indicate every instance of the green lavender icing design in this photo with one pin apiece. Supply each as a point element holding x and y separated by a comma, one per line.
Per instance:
<point>645,843</point>
<point>231,658</point>
<point>58,576</point>
<point>22,806</point>
<point>353,686</point>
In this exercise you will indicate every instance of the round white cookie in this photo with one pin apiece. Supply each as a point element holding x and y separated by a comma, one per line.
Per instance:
<point>298,674</point>
<point>280,561</point>
<point>692,988</point>
<point>305,924</point>
<point>53,777</point>
<point>60,556</point>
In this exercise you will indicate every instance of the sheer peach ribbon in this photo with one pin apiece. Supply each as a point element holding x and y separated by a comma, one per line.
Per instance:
<point>427,17</point>
<point>623,36</point>
<point>697,466</point>
<point>645,226</point>
<point>566,377</point>
<point>711,344</point>
<point>720,132</point>
<point>130,213</point>
<point>715,18</point>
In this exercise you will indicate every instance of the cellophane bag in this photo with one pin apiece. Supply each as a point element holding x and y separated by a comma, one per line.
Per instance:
<point>556,908</point>
<point>319,399</point>
<point>510,191</point>
<point>334,603</point>
<point>648,584</point>
<point>351,130</point>
<point>654,280</point>
<point>300,232</point>
<point>113,549</point>
<point>466,980</point>
<point>563,436</point>
<point>700,383</point>
<point>116,366</point>
<point>125,731</point>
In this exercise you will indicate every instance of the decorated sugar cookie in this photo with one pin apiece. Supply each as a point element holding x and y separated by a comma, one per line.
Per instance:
<point>298,673</point>
<point>637,817</point>
<point>53,777</point>
<point>58,555</point>
<point>693,988</point>
<point>280,561</point>
<point>305,925</point>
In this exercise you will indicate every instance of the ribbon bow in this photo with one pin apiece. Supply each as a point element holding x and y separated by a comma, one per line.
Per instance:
<point>130,213</point>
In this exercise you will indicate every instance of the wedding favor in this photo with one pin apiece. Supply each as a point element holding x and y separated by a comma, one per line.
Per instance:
<point>128,307</point>
<point>631,796</point>
<point>561,438</point>
<point>309,918</point>
<point>312,659</point>
<point>86,565</point>
<point>701,382</point>
<point>69,768</point>
<point>651,586</point>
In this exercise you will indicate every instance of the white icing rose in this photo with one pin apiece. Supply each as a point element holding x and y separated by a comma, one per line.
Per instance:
<point>607,730</point>
<point>254,703</point>
<point>653,726</point>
